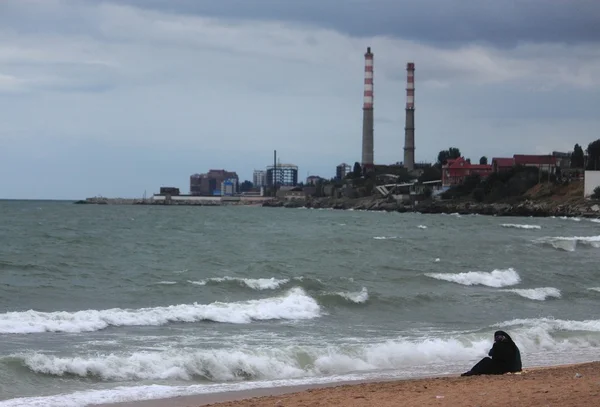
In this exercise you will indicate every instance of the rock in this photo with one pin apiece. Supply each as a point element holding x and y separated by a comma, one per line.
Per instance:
<point>595,208</point>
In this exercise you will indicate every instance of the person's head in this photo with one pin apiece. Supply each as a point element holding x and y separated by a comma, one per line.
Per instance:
<point>501,336</point>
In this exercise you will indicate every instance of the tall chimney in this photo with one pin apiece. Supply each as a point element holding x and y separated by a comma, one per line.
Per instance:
<point>367,136</point>
<point>409,129</point>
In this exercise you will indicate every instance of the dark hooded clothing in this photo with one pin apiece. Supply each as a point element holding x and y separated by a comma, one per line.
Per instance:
<point>504,357</point>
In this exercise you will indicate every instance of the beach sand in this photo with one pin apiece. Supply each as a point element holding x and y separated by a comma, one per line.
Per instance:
<point>564,386</point>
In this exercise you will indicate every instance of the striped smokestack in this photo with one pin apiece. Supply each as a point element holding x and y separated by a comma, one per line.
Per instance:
<point>367,137</point>
<point>409,129</point>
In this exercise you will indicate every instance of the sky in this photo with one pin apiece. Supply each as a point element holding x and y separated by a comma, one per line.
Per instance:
<point>117,98</point>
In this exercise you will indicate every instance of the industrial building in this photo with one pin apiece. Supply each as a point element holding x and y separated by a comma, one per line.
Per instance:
<point>210,183</point>
<point>229,187</point>
<point>342,170</point>
<point>367,134</point>
<point>282,175</point>
<point>259,178</point>
<point>409,129</point>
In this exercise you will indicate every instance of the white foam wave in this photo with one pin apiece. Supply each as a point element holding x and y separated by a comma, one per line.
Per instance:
<point>254,283</point>
<point>595,289</point>
<point>518,226</point>
<point>594,220</point>
<point>293,305</point>
<point>166,282</point>
<point>538,294</point>
<point>496,278</point>
<point>570,243</point>
<point>296,365</point>
<point>385,237</point>
<point>422,227</point>
<point>357,297</point>
<point>573,218</point>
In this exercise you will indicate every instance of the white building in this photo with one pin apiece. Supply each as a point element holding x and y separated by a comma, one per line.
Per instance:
<point>229,187</point>
<point>592,181</point>
<point>259,178</point>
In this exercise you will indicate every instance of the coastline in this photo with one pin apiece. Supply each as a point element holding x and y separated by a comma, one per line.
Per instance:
<point>564,385</point>
<point>527,208</point>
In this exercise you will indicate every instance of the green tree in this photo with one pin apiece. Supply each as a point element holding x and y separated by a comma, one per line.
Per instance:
<point>430,174</point>
<point>246,186</point>
<point>483,160</point>
<point>445,155</point>
<point>593,151</point>
<point>577,158</point>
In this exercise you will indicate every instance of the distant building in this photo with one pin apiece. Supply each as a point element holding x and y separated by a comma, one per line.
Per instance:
<point>342,170</point>
<point>169,191</point>
<point>543,162</point>
<point>229,187</point>
<point>455,171</point>
<point>282,175</point>
<point>563,159</point>
<point>210,183</point>
<point>259,178</point>
<point>313,179</point>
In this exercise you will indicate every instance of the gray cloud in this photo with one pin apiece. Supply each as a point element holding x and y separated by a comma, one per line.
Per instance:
<point>441,22</point>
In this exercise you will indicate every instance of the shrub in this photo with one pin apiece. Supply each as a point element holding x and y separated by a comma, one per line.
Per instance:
<point>596,194</point>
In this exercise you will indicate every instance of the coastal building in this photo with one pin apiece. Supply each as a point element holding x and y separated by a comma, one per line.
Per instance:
<point>547,162</point>
<point>259,178</point>
<point>313,179</point>
<point>342,170</point>
<point>210,183</point>
<point>229,187</point>
<point>282,175</point>
<point>455,171</point>
<point>169,191</point>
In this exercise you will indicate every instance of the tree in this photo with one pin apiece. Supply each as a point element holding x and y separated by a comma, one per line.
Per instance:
<point>483,160</point>
<point>430,174</point>
<point>596,194</point>
<point>246,186</point>
<point>445,155</point>
<point>593,151</point>
<point>357,170</point>
<point>577,158</point>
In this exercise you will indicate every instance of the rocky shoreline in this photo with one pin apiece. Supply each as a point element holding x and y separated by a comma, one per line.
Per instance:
<point>525,208</point>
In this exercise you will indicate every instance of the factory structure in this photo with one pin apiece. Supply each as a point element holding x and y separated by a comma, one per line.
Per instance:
<point>223,183</point>
<point>368,153</point>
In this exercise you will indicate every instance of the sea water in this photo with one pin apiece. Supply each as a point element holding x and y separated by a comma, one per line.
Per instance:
<point>118,303</point>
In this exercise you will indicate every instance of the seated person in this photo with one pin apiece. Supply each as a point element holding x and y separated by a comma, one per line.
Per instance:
<point>505,357</point>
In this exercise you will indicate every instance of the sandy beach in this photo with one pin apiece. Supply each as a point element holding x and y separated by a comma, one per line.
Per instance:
<point>564,386</point>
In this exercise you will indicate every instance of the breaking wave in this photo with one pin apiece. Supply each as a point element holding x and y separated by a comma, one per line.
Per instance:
<point>254,283</point>
<point>359,297</point>
<point>517,226</point>
<point>496,278</point>
<point>422,227</point>
<point>569,244</point>
<point>293,305</point>
<point>385,237</point>
<point>538,294</point>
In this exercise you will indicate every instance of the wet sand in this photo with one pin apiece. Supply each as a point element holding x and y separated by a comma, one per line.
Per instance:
<point>564,386</point>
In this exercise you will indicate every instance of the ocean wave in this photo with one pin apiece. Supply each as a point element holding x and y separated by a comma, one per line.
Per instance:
<point>496,278</point>
<point>594,289</point>
<point>359,297</point>
<point>256,364</point>
<point>569,244</point>
<point>385,237</point>
<point>166,282</point>
<point>573,218</point>
<point>254,283</point>
<point>538,294</point>
<point>422,227</point>
<point>518,226</point>
<point>292,365</point>
<point>293,305</point>
<point>594,220</point>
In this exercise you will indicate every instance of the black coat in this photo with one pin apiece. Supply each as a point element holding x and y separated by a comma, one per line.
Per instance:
<point>506,355</point>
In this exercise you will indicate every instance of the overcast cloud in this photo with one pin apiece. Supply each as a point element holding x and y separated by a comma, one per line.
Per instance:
<point>114,98</point>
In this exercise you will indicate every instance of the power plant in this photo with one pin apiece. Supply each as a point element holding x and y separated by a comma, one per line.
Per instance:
<point>367,161</point>
<point>367,135</point>
<point>409,129</point>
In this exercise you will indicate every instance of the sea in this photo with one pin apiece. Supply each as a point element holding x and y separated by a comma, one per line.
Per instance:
<point>110,303</point>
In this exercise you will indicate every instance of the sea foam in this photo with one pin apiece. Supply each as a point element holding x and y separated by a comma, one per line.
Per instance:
<point>538,294</point>
<point>293,305</point>
<point>518,226</point>
<point>496,278</point>
<point>254,283</point>
<point>569,244</point>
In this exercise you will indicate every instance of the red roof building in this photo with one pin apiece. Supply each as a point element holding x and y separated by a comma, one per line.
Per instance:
<point>455,171</point>
<point>502,164</point>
